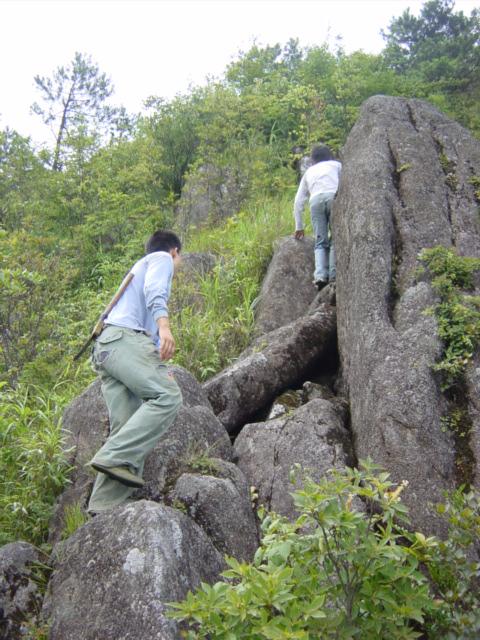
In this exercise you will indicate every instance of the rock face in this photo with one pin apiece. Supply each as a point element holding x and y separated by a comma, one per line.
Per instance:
<point>85,423</point>
<point>187,292</point>
<point>20,599</point>
<point>213,193</point>
<point>276,361</point>
<point>113,577</point>
<point>328,295</point>
<point>405,186</point>
<point>196,433</point>
<point>197,264</point>
<point>221,505</point>
<point>287,290</point>
<point>313,436</point>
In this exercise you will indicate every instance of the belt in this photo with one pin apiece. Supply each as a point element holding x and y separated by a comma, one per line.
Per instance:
<point>145,333</point>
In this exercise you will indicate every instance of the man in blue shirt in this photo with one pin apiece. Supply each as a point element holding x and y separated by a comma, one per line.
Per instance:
<point>129,355</point>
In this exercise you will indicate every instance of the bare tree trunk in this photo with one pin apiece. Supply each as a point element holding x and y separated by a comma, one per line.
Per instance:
<point>61,130</point>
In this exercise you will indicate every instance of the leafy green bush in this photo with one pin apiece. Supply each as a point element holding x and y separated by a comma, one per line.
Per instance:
<point>344,569</point>
<point>454,568</point>
<point>458,315</point>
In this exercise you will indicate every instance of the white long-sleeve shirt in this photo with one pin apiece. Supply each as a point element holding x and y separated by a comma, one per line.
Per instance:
<point>146,297</point>
<point>322,177</point>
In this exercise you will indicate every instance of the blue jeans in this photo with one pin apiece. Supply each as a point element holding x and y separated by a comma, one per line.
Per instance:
<point>321,211</point>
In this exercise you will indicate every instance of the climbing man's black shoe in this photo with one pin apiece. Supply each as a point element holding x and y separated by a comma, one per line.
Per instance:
<point>320,284</point>
<point>122,474</point>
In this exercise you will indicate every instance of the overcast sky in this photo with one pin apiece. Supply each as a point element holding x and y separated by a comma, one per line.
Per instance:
<point>161,47</point>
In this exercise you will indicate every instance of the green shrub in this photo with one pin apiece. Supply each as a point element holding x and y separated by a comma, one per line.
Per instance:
<point>454,568</point>
<point>340,571</point>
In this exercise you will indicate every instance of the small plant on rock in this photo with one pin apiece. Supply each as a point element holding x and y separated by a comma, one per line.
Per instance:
<point>458,314</point>
<point>75,517</point>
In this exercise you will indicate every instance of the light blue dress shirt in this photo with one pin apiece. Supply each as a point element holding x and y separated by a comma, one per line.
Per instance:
<point>146,297</point>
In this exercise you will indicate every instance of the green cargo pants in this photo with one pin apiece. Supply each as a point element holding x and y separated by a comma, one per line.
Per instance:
<point>142,400</point>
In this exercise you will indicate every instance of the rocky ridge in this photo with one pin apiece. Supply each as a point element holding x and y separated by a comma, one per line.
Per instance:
<point>329,379</point>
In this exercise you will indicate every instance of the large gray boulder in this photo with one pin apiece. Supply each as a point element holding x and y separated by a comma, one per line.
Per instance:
<point>85,428</point>
<point>287,289</point>
<point>313,436</point>
<point>20,597</point>
<point>405,186</point>
<point>193,394</point>
<point>196,433</point>
<point>220,503</point>
<point>113,577</point>
<point>276,361</point>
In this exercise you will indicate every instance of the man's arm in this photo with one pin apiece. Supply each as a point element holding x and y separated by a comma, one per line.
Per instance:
<point>299,204</point>
<point>156,289</point>
<point>167,342</point>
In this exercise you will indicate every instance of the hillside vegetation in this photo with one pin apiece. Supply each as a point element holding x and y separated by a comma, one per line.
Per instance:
<point>73,218</point>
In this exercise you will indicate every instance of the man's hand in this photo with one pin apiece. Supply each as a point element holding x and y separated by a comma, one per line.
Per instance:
<point>299,235</point>
<point>167,342</point>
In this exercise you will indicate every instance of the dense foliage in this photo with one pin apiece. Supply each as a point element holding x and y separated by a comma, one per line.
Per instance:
<point>73,218</point>
<point>347,568</point>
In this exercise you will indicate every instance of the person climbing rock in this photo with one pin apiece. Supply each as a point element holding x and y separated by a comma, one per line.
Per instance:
<point>319,184</point>
<point>130,357</point>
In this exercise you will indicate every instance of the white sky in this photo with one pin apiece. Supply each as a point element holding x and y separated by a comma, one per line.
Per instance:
<point>161,47</point>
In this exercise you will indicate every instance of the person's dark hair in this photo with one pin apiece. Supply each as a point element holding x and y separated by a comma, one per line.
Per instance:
<point>320,153</point>
<point>162,241</point>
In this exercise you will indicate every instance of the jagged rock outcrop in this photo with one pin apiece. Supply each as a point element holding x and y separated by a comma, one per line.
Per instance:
<point>113,577</point>
<point>287,289</point>
<point>276,361</point>
<point>211,193</point>
<point>295,398</point>
<point>405,186</point>
<point>192,269</point>
<point>328,295</point>
<point>196,433</point>
<point>313,436</point>
<point>220,503</point>
<point>85,425</point>
<point>20,598</point>
<point>196,264</point>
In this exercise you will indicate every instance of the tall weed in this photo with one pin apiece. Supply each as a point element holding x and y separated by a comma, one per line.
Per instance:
<point>32,464</point>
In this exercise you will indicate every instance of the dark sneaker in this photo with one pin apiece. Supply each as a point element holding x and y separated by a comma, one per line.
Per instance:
<point>122,474</point>
<point>320,284</point>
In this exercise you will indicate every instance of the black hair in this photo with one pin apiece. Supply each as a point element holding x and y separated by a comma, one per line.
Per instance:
<point>320,153</point>
<point>162,241</point>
